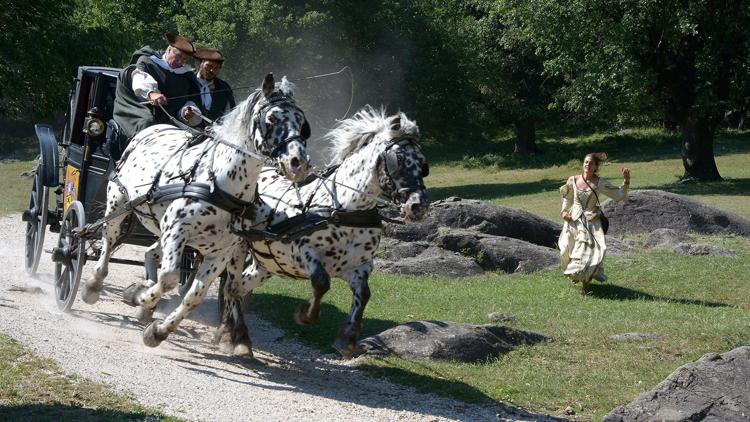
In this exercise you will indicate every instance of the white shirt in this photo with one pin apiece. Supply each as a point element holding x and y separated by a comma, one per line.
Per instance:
<point>144,84</point>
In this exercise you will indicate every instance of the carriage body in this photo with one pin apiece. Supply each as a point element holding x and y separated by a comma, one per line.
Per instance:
<point>76,169</point>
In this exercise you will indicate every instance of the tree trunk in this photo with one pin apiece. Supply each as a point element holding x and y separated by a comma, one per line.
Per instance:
<point>698,151</point>
<point>525,137</point>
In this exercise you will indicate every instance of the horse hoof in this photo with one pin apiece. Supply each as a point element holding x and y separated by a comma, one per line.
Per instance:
<point>344,347</point>
<point>90,295</point>
<point>225,343</point>
<point>242,349</point>
<point>300,315</point>
<point>130,294</point>
<point>144,315</point>
<point>151,336</point>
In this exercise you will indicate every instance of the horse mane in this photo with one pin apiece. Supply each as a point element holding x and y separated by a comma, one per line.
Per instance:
<point>352,134</point>
<point>235,125</point>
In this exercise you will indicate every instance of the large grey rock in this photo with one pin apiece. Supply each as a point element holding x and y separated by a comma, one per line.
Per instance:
<point>499,252</point>
<point>448,341</point>
<point>393,249</point>
<point>666,238</point>
<point>616,246</point>
<point>648,210</point>
<point>700,249</point>
<point>433,261</point>
<point>481,217</point>
<point>715,388</point>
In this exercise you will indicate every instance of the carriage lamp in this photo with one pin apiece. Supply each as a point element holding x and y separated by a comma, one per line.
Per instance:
<point>93,125</point>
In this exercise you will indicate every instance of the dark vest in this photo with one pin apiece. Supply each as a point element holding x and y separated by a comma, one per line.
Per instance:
<point>221,98</point>
<point>130,115</point>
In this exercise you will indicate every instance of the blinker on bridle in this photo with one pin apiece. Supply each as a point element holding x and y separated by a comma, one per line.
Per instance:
<point>392,167</point>
<point>260,123</point>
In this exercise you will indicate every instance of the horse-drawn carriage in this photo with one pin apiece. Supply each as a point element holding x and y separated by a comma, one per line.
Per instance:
<point>76,169</point>
<point>201,201</point>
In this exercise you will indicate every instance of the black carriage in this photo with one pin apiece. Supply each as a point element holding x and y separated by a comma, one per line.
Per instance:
<point>76,169</point>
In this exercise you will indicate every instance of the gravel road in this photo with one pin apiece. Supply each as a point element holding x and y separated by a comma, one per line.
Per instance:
<point>187,376</point>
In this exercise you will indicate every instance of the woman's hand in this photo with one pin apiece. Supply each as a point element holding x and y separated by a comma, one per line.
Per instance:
<point>566,216</point>
<point>625,175</point>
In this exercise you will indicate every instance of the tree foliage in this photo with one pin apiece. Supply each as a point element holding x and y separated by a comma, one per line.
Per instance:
<point>461,67</point>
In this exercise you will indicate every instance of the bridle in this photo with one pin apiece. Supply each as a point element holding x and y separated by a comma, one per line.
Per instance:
<point>260,125</point>
<point>399,193</point>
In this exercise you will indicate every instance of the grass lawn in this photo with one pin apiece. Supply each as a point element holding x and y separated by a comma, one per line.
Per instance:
<point>34,389</point>
<point>694,305</point>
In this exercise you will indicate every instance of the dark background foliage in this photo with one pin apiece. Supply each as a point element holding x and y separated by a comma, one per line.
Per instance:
<point>468,71</point>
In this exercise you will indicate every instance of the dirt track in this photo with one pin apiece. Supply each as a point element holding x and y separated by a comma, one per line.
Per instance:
<point>187,376</point>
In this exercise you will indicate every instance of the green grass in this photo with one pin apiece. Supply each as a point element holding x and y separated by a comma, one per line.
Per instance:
<point>652,155</point>
<point>34,389</point>
<point>15,189</point>
<point>695,304</point>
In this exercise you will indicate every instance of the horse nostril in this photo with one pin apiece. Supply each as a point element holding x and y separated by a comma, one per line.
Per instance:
<point>414,208</point>
<point>294,162</point>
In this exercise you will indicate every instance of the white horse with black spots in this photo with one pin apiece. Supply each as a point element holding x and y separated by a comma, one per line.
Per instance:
<point>197,196</point>
<point>378,156</point>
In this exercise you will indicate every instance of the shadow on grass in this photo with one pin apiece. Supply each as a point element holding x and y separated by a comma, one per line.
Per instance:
<point>733,187</point>
<point>640,145</point>
<point>62,412</point>
<point>494,190</point>
<point>279,309</point>
<point>615,292</point>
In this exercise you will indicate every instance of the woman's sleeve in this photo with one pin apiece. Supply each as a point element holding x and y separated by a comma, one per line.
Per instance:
<point>566,193</point>
<point>608,189</point>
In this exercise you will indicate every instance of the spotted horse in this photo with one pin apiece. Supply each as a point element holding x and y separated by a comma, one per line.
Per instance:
<point>332,226</point>
<point>196,195</point>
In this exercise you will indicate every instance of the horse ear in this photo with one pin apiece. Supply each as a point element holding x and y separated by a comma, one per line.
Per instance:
<point>396,125</point>
<point>268,85</point>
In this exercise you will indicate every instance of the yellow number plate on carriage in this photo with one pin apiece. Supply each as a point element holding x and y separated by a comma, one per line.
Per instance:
<point>72,177</point>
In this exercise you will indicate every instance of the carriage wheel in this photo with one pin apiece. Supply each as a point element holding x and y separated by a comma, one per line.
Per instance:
<point>69,257</point>
<point>36,221</point>
<point>191,259</point>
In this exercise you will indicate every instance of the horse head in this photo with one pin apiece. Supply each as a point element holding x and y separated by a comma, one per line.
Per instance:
<point>275,126</point>
<point>402,167</point>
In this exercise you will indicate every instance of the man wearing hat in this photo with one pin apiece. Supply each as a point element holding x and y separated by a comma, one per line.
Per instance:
<point>216,95</point>
<point>162,80</point>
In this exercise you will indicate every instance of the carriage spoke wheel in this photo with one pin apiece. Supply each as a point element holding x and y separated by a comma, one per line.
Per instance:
<point>191,260</point>
<point>36,222</point>
<point>69,257</point>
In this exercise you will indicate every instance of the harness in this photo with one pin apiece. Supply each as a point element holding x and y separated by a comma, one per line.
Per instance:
<point>308,222</point>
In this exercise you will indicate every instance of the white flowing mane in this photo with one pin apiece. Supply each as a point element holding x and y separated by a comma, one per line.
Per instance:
<point>354,133</point>
<point>235,126</point>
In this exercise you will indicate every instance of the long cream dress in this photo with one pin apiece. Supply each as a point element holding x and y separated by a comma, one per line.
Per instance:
<point>581,242</point>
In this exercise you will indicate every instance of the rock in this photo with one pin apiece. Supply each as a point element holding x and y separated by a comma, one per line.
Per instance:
<point>499,252</point>
<point>397,249</point>
<point>635,336</point>
<point>665,238</point>
<point>617,246</point>
<point>432,261</point>
<point>481,217</point>
<point>713,388</point>
<point>500,317</point>
<point>702,249</point>
<point>448,341</point>
<point>648,210</point>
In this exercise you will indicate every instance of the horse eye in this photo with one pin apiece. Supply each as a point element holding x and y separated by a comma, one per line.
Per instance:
<point>272,119</point>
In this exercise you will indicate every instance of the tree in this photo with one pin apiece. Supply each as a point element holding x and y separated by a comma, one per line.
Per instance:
<point>509,73</point>
<point>672,60</point>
